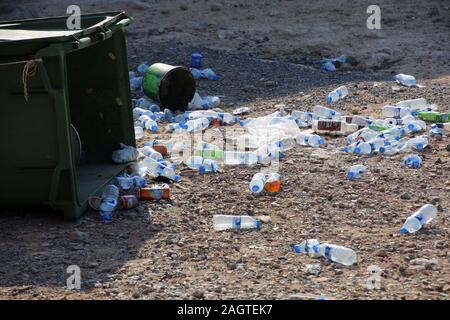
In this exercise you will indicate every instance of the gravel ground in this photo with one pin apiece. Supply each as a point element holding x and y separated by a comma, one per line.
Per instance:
<point>169,250</point>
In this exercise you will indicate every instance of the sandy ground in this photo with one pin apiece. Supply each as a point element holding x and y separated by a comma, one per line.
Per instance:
<point>169,250</point>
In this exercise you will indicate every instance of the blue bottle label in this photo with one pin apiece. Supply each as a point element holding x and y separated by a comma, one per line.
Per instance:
<point>237,223</point>
<point>327,253</point>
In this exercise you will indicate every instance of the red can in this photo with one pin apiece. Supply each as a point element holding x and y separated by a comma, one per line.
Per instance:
<point>155,193</point>
<point>128,202</point>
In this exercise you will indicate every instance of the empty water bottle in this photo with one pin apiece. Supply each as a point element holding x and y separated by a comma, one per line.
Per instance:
<point>209,166</point>
<point>307,246</point>
<point>148,123</point>
<point>363,148</point>
<point>405,79</point>
<point>326,113</point>
<point>336,253</point>
<point>125,154</point>
<point>110,198</point>
<point>194,162</point>
<point>258,182</point>
<point>227,118</point>
<point>412,161</point>
<point>337,94</point>
<point>421,217</point>
<point>197,125</point>
<point>396,111</point>
<point>151,153</point>
<point>138,132</point>
<point>126,183</point>
<point>312,140</point>
<point>355,171</point>
<point>437,130</point>
<point>413,104</point>
<point>240,158</point>
<point>419,143</point>
<point>211,102</point>
<point>416,125</point>
<point>227,222</point>
<point>241,111</point>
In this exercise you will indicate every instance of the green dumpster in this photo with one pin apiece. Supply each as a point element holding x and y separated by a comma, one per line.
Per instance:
<point>65,105</point>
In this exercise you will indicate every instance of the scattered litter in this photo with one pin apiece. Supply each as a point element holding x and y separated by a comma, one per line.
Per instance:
<point>336,253</point>
<point>355,171</point>
<point>337,94</point>
<point>227,222</point>
<point>412,161</point>
<point>155,193</point>
<point>307,247</point>
<point>125,155</point>
<point>273,183</point>
<point>421,217</point>
<point>330,65</point>
<point>313,269</point>
<point>204,74</point>
<point>196,61</point>
<point>405,80</point>
<point>241,111</point>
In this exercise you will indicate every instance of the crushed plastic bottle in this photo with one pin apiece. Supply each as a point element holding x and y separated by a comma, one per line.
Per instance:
<point>169,173</point>
<point>197,125</point>
<point>412,161</point>
<point>355,171</point>
<point>258,182</point>
<point>127,183</point>
<point>151,153</point>
<point>421,217</point>
<point>109,199</point>
<point>227,222</point>
<point>405,80</point>
<point>125,154</point>
<point>416,125</point>
<point>205,74</point>
<point>336,253</point>
<point>337,94</point>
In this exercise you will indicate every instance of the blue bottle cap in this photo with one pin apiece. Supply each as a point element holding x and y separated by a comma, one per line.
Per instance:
<point>177,178</point>
<point>403,230</point>
<point>350,175</point>
<point>255,189</point>
<point>258,224</point>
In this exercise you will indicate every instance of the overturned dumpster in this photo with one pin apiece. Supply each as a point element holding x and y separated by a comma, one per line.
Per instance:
<point>65,106</point>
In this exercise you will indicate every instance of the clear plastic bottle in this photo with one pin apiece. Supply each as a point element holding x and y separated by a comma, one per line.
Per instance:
<point>194,162</point>
<point>405,79</point>
<point>258,182</point>
<point>336,253</point>
<point>312,140</point>
<point>227,222</point>
<point>152,153</point>
<point>337,94</point>
<point>240,158</point>
<point>169,173</point>
<point>396,111</point>
<point>355,171</point>
<point>413,104</point>
<point>197,125</point>
<point>416,125</point>
<point>110,198</point>
<point>209,166</point>
<point>148,123</point>
<point>151,166</point>
<point>412,161</point>
<point>211,101</point>
<point>326,113</point>
<point>138,132</point>
<point>125,154</point>
<point>362,148</point>
<point>227,118</point>
<point>421,217</point>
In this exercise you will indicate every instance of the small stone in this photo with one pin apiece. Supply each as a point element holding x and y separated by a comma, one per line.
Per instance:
<point>448,148</point>
<point>135,295</point>
<point>423,262</point>
<point>446,288</point>
<point>405,196</point>
<point>183,7</point>
<point>198,294</point>
<point>77,235</point>
<point>215,7</point>
<point>313,269</point>
<point>440,244</point>
<point>264,219</point>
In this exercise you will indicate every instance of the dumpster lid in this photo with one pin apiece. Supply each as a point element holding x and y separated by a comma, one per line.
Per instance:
<point>55,29</point>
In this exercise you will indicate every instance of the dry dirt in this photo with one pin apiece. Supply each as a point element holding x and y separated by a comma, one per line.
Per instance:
<point>266,53</point>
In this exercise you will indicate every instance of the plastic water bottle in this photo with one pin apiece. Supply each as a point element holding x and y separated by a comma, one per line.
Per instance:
<point>211,101</point>
<point>142,68</point>
<point>137,112</point>
<point>412,161</point>
<point>194,162</point>
<point>210,74</point>
<point>326,113</point>
<point>337,94</point>
<point>227,222</point>
<point>209,166</point>
<point>126,183</point>
<point>355,171</point>
<point>241,111</point>
<point>273,183</point>
<point>363,148</point>
<point>405,79</point>
<point>421,217</point>
<point>335,253</point>
<point>413,104</point>
<point>240,158</point>
<point>437,130</point>
<point>258,182</point>
<point>377,143</point>
<point>148,123</point>
<point>328,66</point>
<point>416,125</point>
<point>151,153</point>
<point>312,140</point>
<point>197,125</point>
<point>125,154</point>
<point>268,152</point>
<point>396,111</point>
<point>169,173</point>
<point>151,166</point>
<point>110,198</point>
<point>176,127</point>
<point>227,118</point>
<point>418,143</point>
<point>307,247</point>
<point>138,132</point>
